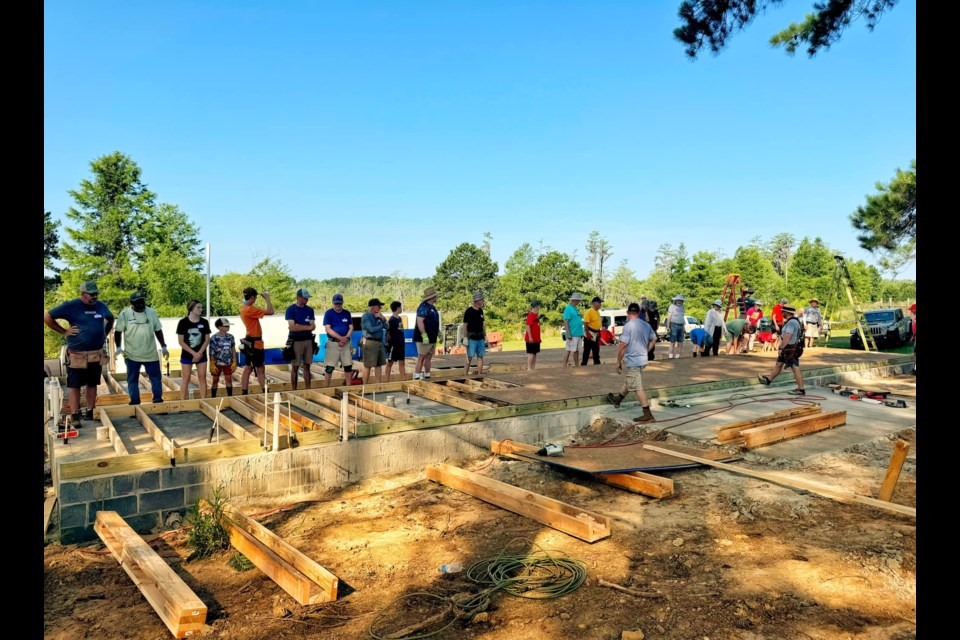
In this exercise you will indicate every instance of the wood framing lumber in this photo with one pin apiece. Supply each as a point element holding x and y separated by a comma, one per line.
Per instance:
<point>176,604</point>
<point>468,394</point>
<point>900,449</point>
<point>579,523</point>
<point>326,581</point>
<point>732,431</point>
<point>225,423</point>
<point>842,495</point>
<point>112,384</point>
<point>437,393</point>
<point>326,416</point>
<point>379,408</point>
<point>249,412</point>
<point>780,431</point>
<point>48,504</point>
<point>285,421</point>
<point>170,383</point>
<point>115,439</point>
<point>645,484</point>
<point>168,445</point>
<point>353,411</point>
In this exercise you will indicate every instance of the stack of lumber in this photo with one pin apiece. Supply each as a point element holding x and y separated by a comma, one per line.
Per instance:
<point>779,426</point>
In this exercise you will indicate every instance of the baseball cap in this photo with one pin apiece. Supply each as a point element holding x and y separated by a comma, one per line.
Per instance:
<point>338,297</point>
<point>633,307</point>
<point>374,302</point>
<point>913,307</point>
<point>303,293</point>
<point>596,299</point>
<point>534,303</point>
<point>137,295</point>
<point>477,295</point>
<point>717,303</point>
<point>249,292</point>
<point>221,322</point>
<point>89,287</point>
<point>576,296</point>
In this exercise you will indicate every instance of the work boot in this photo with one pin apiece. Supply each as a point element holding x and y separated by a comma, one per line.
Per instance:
<point>88,415</point>
<point>70,421</point>
<point>229,391</point>
<point>646,417</point>
<point>615,399</point>
<point>764,380</point>
<point>797,392</point>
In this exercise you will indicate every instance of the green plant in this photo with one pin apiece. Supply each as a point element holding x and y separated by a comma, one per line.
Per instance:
<point>240,562</point>
<point>208,534</point>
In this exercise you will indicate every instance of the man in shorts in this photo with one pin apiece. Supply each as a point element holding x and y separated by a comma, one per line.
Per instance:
<point>573,324</point>
<point>531,335</point>
<point>475,332</point>
<point>635,342</point>
<point>791,340</point>
<point>338,325</point>
<point>90,321</point>
<point>253,342</point>
<point>374,327</point>
<point>302,322</point>
<point>812,321</point>
<point>425,333</point>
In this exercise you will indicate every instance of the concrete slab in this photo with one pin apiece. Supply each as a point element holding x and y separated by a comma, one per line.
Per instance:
<point>134,437</point>
<point>187,428</point>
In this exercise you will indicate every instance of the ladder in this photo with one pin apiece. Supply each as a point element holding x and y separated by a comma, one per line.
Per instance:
<point>731,287</point>
<point>843,283</point>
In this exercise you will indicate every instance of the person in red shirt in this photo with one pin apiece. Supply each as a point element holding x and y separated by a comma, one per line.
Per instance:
<point>754,314</point>
<point>777,315</point>
<point>913,338</point>
<point>531,335</point>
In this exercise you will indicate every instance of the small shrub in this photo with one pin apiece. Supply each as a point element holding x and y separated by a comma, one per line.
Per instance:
<point>240,562</point>
<point>208,535</point>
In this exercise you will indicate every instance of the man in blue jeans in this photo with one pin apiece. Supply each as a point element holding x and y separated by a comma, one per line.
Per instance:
<point>137,328</point>
<point>475,332</point>
<point>677,318</point>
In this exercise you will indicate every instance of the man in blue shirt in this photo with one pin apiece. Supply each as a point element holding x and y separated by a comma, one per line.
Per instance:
<point>573,325</point>
<point>701,340</point>
<point>374,327</point>
<point>635,343</point>
<point>338,325</point>
<point>302,322</point>
<point>425,333</point>
<point>90,322</point>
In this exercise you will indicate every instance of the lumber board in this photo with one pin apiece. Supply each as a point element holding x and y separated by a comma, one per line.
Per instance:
<point>842,495</point>
<point>635,481</point>
<point>327,582</point>
<point>780,431</point>
<point>178,606</point>
<point>900,449</point>
<point>228,425</point>
<point>112,433</point>
<point>168,445</point>
<point>326,416</point>
<point>468,394</point>
<point>437,393</point>
<point>353,411</point>
<point>285,420</point>
<point>579,523</point>
<point>48,504</point>
<point>380,408</point>
<point>112,384</point>
<point>248,412</point>
<point>732,431</point>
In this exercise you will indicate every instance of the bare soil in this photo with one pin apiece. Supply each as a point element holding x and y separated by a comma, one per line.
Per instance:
<point>731,557</point>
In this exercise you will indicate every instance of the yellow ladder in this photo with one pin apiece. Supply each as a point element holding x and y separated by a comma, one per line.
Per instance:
<point>843,282</point>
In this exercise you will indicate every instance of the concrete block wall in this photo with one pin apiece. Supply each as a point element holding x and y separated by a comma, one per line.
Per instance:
<point>145,499</point>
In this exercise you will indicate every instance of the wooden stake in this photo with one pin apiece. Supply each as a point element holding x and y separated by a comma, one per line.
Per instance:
<point>900,450</point>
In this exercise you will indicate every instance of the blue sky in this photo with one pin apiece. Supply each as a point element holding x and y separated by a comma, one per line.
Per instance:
<point>354,138</point>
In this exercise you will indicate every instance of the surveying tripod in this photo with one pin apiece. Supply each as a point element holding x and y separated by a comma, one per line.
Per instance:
<point>731,287</point>
<point>843,282</point>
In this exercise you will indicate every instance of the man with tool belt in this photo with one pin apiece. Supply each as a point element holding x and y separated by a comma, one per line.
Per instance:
<point>301,322</point>
<point>138,328</point>
<point>791,348</point>
<point>90,322</point>
<point>252,344</point>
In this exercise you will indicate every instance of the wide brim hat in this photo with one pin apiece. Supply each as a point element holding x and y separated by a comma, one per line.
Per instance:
<point>679,297</point>
<point>789,309</point>
<point>717,303</point>
<point>577,297</point>
<point>428,293</point>
<point>814,300</point>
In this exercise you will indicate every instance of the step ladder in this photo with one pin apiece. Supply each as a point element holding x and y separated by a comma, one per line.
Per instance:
<point>732,288</point>
<point>842,283</point>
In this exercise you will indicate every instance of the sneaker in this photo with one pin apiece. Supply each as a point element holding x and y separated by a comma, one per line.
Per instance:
<point>764,380</point>
<point>797,392</point>
<point>614,399</point>
<point>88,415</point>
<point>426,376</point>
<point>417,376</point>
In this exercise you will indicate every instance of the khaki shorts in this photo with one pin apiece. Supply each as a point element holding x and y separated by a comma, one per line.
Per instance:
<point>632,375</point>
<point>336,354</point>
<point>425,349</point>
<point>812,331</point>
<point>373,354</point>
<point>302,352</point>
<point>574,343</point>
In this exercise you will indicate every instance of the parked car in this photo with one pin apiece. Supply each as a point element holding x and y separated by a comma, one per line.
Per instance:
<point>889,327</point>
<point>690,324</point>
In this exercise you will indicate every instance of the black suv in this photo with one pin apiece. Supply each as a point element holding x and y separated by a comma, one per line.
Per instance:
<point>890,329</point>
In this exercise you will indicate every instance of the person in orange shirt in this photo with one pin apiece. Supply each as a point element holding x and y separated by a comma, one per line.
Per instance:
<point>252,344</point>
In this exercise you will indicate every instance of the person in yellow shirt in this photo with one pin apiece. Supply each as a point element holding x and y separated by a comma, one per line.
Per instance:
<point>592,324</point>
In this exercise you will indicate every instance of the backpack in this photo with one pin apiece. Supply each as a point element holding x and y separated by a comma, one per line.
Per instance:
<point>796,349</point>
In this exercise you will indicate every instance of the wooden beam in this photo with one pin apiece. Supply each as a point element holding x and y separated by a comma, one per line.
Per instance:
<point>636,481</point>
<point>579,523</point>
<point>115,440</point>
<point>436,393</point>
<point>731,431</point>
<point>780,431</point>
<point>329,419</point>
<point>251,414</point>
<point>228,425</point>
<point>285,421</point>
<point>48,504</point>
<point>326,581</point>
<point>378,408</point>
<point>353,411</point>
<point>112,384</point>
<point>843,495</point>
<point>468,394</point>
<point>900,449</point>
<point>168,445</point>
<point>176,604</point>
<point>170,383</point>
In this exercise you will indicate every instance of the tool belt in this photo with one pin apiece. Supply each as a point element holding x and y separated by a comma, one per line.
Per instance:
<point>83,359</point>
<point>246,343</point>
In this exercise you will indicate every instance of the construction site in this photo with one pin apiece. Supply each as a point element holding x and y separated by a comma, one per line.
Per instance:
<point>404,509</point>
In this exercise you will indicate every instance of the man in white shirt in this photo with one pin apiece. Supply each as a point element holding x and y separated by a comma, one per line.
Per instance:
<point>635,341</point>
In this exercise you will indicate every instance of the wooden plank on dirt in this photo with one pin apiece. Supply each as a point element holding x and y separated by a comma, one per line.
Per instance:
<point>326,581</point>
<point>176,604</point>
<point>437,393</point>
<point>780,431</point>
<point>579,523</point>
<point>731,431</point>
<point>636,481</point>
<point>900,449</point>
<point>843,495</point>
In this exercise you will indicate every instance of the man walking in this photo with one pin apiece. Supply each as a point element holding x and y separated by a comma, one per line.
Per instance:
<point>253,341</point>
<point>573,325</point>
<point>425,334</point>
<point>635,341</point>
<point>676,319</point>
<point>374,326</point>
<point>812,320</point>
<point>90,321</point>
<point>592,325</point>
<point>791,348</point>
<point>302,322</point>
<point>713,325</point>
<point>138,329</point>
<point>475,332</point>
<point>338,325</point>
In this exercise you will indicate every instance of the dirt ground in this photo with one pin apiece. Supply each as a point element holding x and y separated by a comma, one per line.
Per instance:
<point>728,557</point>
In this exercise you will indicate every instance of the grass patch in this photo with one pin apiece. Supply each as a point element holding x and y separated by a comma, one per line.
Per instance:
<point>843,342</point>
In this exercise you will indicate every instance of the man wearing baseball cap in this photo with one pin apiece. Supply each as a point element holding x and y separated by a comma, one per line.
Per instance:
<point>573,325</point>
<point>252,343</point>
<point>338,325</point>
<point>302,322</point>
<point>635,342</point>
<point>592,324</point>
<point>90,321</point>
<point>223,356</point>
<point>531,334</point>
<point>374,326</point>
<point>138,329</point>
<point>475,332</point>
